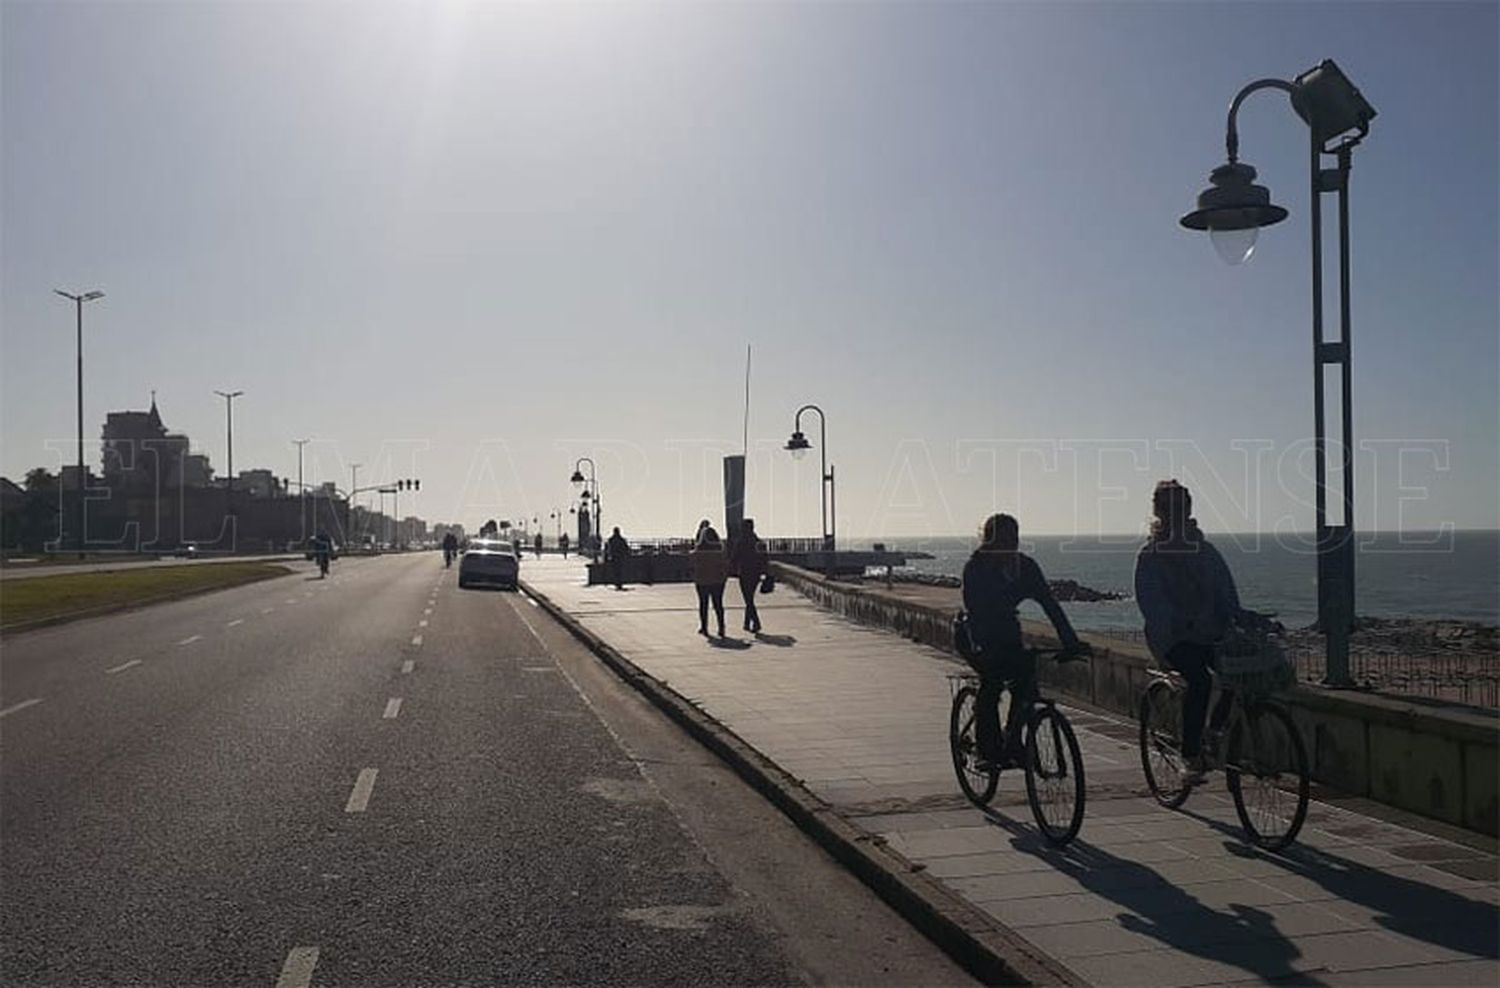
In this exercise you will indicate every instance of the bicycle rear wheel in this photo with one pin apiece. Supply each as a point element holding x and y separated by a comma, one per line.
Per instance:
<point>1161,743</point>
<point>978,786</point>
<point>1266,772</point>
<point>1054,776</point>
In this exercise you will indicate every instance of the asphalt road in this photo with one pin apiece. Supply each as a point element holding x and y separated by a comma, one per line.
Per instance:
<point>379,779</point>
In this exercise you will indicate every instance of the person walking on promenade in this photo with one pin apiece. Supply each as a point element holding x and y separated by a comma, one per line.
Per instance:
<point>616,551</point>
<point>536,544</point>
<point>562,544</point>
<point>1188,601</point>
<point>748,561</point>
<point>997,577</point>
<point>710,572</point>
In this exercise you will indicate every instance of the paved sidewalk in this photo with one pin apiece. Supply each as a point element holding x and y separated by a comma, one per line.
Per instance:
<point>1145,896</point>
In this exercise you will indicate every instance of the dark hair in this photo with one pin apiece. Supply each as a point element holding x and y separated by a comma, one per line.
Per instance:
<point>1170,502</point>
<point>989,532</point>
<point>708,538</point>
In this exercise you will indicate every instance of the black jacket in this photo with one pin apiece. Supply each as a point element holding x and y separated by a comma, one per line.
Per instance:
<point>991,596</point>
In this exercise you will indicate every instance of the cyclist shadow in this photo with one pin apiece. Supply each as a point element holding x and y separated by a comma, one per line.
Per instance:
<point>1244,937</point>
<point>1401,905</point>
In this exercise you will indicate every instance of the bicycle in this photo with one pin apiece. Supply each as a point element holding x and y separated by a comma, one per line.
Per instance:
<point>1259,750</point>
<point>1052,761</point>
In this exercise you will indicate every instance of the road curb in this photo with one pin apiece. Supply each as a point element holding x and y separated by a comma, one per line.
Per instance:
<point>129,605</point>
<point>987,949</point>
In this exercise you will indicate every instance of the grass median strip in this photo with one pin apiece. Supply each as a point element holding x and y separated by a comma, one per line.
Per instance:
<point>46,599</point>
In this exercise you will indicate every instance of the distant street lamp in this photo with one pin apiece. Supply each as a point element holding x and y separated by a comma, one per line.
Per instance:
<point>229,397</point>
<point>78,299</point>
<point>1232,210</point>
<point>593,484</point>
<point>798,446</point>
<point>349,501</point>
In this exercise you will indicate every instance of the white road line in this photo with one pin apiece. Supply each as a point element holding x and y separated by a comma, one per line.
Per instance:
<point>189,641</point>
<point>422,623</point>
<point>416,639</point>
<point>363,786</point>
<point>408,666</point>
<point>298,969</point>
<point>123,666</point>
<point>428,610</point>
<point>532,602</point>
<point>20,706</point>
<point>291,600</point>
<point>267,610</point>
<point>392,708</point>
<point>236,621</point>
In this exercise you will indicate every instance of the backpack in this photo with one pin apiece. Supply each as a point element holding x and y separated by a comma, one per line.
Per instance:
<point>963,639</point>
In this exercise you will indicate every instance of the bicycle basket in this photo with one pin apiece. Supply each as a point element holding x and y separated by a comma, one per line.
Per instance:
<point>1256,663</point>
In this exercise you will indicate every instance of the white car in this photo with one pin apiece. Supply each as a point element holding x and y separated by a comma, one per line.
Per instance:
<point>489,561</point>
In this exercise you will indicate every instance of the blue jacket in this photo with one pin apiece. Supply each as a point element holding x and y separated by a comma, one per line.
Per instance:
<point>1185,592</point>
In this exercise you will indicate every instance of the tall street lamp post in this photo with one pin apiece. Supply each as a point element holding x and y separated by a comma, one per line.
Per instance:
<point>349,501</point>
<point>1232,210</point>
<point>577,480</point>
<point>229,397</point>
<point>301,488</point>
<point>78,298</point>
<point>798,447</point>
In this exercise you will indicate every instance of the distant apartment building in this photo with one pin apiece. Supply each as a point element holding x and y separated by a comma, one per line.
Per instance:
<point>258,483</point>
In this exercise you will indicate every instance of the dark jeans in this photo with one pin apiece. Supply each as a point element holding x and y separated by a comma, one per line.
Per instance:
<point>616,571</point>
<point>710,592</point>
<point>749,586</point>
<point>1001,669</point>
<point>1194,662</point>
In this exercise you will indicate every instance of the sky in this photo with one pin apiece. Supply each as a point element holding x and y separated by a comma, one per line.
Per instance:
<point>471,242</point>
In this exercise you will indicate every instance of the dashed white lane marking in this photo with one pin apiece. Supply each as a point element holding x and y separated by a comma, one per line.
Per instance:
<point>416,639</point>
<point>290,600</point>
<point>427,611</point>
<point>363,786</point>
<point>189,641</point>
<point>298,969</point>
<point>408,666</point>
<point>236,621</point>
<point>392,708</point>
<point>267,610</point>
<point>20,706</point>
<point>422,623</point>
<point>122,667</point>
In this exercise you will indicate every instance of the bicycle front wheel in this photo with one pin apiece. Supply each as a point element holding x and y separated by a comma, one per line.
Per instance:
<point>1054,776</point>
<point>1266,772</point>
<point>978,786</point>
<point>1161,743</point>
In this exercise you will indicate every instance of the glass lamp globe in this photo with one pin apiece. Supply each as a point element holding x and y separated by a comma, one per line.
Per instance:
<point>1234,246</point>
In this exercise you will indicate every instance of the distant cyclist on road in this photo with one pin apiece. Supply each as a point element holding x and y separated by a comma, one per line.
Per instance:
<point>1188,599</point>
<point>322,551</point>
<point>997,577</point>
<point>450,549</point>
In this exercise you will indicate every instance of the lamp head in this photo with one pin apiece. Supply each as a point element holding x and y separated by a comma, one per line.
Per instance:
<point>1233,209</point>
<point>577,478</point>
<point>798,445</point>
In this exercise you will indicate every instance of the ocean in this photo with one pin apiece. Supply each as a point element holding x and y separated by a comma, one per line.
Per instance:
<point>1455,576</point>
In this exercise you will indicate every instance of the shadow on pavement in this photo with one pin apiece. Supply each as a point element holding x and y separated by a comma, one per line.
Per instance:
<point>734,644</point>
<point>780,641</point>
<point>1244,937</point>
<point>1409,908</point>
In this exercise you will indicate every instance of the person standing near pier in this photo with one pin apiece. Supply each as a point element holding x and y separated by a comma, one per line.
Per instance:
<point>710,573</point>
<point>748,562</point>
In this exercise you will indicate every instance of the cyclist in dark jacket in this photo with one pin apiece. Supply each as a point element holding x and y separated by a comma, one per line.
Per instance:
<point>997,577</point>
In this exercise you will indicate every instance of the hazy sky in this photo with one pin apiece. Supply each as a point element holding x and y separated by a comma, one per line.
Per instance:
<point>471,242</point>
